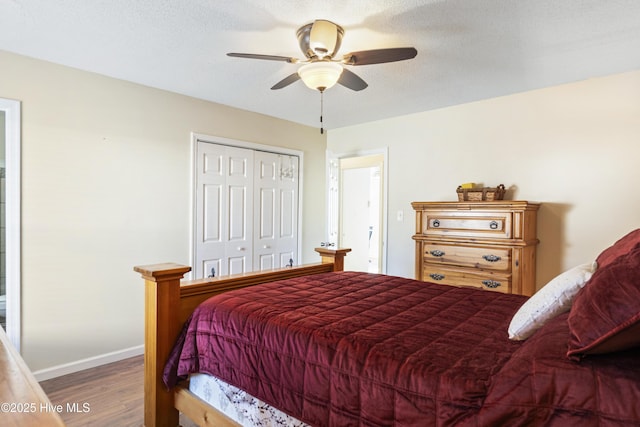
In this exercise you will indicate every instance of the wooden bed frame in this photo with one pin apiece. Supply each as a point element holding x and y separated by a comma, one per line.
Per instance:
<point>168,304</point>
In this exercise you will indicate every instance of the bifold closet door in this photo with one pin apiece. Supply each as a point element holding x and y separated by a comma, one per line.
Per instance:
<point>276,210</point>
<point>246,210</point>
<point>224,210</point>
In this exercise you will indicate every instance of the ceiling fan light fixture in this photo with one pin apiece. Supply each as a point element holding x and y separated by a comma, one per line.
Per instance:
<point>324,38</point>
<point>320,75</point>
<point>320,39</point>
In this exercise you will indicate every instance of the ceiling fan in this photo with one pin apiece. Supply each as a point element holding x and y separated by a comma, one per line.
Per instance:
<point>320,42</point>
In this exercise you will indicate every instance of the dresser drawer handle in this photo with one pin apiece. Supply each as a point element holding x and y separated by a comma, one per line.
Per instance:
<point>436,253</point>
<point>491,284</point>
<point>436,276</point>
<point>493,225</point>
<point>491,258</point>
<point>436,223</point>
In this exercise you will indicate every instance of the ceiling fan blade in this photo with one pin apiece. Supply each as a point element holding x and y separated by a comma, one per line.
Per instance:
<point>350,80</point>
<point>379,56</point>
<point>286,81</point>
<point>267,57</point>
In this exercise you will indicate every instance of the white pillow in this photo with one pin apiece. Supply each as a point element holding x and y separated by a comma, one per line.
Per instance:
<point>553,299</point>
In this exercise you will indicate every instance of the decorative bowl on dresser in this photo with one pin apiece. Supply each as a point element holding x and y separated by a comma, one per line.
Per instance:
<point>488,245</point>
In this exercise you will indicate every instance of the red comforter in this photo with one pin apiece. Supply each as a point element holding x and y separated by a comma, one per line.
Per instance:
<point>360,349</point>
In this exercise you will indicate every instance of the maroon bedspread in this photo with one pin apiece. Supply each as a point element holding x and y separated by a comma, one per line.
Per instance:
<point>353,348</point>
<point>541,386</point>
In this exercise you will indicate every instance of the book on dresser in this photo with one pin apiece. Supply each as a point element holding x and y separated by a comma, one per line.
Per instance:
<point>488,245</point>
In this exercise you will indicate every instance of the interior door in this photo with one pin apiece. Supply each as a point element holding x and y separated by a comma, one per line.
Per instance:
<point>357,227</point>
<point>362,212</point>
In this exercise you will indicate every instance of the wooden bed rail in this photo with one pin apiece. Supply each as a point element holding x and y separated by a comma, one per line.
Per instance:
<point>168,303</point>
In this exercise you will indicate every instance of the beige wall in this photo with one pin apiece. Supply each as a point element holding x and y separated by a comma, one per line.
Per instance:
<point>106,186</point>
<point>575,148</point>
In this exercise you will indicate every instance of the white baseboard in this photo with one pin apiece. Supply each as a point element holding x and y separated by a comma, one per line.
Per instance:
<point>91,362</point>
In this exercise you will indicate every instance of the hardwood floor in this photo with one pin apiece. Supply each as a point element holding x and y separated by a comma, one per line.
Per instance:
<point>109,395</point>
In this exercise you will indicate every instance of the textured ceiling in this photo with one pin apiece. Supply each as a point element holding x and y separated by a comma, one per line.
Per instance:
<point>467,49</point>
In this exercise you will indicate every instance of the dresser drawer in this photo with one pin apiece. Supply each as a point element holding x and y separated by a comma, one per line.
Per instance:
<point>491,225</point>
<point>484,257</point>
<point>477,279</point>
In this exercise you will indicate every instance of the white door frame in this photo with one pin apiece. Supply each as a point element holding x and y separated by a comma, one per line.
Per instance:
<point>195,137</point>
<point>11,110</point>
<point>333,196</point>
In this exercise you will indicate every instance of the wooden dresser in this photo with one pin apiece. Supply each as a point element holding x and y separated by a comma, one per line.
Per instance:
<point>488,245</point>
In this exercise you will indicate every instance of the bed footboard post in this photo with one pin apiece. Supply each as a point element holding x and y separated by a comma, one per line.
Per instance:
<point>162,298</point>
<point>335,256</point>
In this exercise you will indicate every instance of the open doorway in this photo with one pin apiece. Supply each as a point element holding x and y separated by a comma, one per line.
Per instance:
<point>357,217</point>
<point>10,218</point>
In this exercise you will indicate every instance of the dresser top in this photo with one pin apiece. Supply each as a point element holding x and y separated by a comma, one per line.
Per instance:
<point>497,204</point>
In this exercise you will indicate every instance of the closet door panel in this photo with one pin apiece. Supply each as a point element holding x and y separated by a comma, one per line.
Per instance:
<point>237,214</point>
<point>288,208</point>
<point>288,213</point>
<point>287,258</point>
<point>213,196</point>
<point>239,207</point>
<point>265,199</point>
<point>267,210</point>
<point>210,218</point>
<point>266,261</point>
<point>211,267</point>
<point>237,264</point>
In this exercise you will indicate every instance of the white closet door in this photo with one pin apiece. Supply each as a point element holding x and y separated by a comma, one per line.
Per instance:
<point>239,208</point>
<point>210,218</point>
<point>265,200</point>
<point>223,230</point>
<point>287,242</point>
<point>276,213</point>
<point>246,210</point>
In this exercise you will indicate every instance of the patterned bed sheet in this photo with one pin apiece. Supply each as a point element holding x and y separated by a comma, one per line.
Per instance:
<point>239,405</point>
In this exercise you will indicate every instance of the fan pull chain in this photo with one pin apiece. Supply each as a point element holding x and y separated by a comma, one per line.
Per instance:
<point>321,111</point>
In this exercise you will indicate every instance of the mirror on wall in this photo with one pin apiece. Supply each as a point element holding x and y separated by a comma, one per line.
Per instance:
<point>10,264</point>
